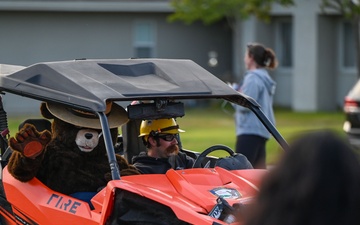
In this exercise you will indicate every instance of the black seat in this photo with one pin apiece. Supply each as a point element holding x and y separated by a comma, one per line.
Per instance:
<point>132,143</point>
<point>40,124</point>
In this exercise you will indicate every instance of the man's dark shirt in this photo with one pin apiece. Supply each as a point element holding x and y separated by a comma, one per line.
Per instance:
<point>150,165</point>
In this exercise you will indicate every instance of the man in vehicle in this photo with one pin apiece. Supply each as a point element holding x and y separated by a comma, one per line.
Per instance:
<point>161,138</point>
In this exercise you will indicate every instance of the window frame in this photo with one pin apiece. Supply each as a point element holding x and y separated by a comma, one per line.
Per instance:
<point>279,45</point>
<point>341,48</point>
<point>151,44</point>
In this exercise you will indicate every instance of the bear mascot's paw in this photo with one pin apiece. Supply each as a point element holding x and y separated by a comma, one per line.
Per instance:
<point>126,169</point>
<point>29,142</point>
<point>28,147</point>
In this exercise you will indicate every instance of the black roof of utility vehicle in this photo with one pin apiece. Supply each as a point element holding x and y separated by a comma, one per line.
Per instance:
<point>77,82</point>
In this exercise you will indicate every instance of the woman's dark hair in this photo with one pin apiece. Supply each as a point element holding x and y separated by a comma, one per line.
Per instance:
<point>264,57</point>
<point>316,182</point>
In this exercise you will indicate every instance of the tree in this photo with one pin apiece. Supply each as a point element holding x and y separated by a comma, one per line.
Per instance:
<point>210,11</point>
<point>349,9</point>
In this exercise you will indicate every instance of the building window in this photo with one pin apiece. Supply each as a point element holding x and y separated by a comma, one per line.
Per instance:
<point>284,47</point>
<point>348,45</point>
<point>144,39</point>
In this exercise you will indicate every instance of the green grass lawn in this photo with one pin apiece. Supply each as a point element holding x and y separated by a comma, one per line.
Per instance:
<point>210,126</point>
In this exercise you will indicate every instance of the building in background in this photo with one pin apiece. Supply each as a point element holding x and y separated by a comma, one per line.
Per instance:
<point>38,31</point>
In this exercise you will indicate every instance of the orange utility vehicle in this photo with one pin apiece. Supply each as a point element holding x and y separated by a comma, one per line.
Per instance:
<point>206,194</point>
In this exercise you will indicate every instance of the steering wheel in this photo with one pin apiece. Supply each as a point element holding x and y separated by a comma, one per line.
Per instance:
<point>201,157</point>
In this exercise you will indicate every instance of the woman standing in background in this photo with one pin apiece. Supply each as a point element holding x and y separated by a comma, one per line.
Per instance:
<point>251,133</point>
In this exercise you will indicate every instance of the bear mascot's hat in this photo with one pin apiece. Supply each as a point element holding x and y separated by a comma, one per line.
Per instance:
<point>116,115</point>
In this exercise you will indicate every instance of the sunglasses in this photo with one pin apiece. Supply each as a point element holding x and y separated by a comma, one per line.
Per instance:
<point>168,137</point>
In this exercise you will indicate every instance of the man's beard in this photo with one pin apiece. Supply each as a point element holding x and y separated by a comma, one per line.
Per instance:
<point>172,150</point>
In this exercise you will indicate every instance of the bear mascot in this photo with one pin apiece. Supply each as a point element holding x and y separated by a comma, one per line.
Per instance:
<point>72,157</point>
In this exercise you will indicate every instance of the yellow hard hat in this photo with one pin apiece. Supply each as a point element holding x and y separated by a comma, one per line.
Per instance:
<point>155,127</point>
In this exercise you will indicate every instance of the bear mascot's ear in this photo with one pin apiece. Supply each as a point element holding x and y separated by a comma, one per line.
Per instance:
<point>45,111</point>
